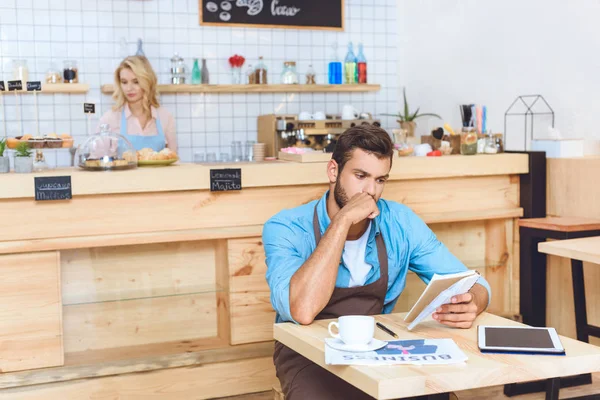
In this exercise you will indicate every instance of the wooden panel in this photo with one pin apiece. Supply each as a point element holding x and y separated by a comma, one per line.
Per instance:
<point>73,88</point>
<point>109,88</point>
<point>30,311</point>
<point>258,174</point>
<point>128,272</point>
<point>197,382</point>
<point>196,210</point>
<point>252,315</point>
<point>137,322</point>
<point>584,249</point>
<point>481,370</point>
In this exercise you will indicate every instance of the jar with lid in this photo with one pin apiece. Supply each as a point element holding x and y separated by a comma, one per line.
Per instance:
<point>177,70</point>
<point>20,71</point>
<point>289,76</point>
<point>53,75</point>
<point>260,72</point>
<point>468,142</point>
<point>70,72</point>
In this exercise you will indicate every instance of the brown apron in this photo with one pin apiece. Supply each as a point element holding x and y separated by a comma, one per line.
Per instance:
<point>300,378</point>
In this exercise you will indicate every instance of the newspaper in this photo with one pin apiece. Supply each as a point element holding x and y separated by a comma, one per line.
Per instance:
<point>418,351</point>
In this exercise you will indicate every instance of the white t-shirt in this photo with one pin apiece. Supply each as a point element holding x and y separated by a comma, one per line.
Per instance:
<point>354,258</point>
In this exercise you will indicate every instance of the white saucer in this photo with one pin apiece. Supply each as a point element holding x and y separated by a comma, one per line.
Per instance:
<point>339,345</point>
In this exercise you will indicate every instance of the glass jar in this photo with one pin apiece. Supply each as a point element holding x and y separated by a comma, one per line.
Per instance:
<point>468,142</point>
<point>177,70</point>
<point>53,75</point>
<point>21,71</point>
<point>289,76</point>
<point>70,72</point>
<point>250,76</point>
<point>260,73</point>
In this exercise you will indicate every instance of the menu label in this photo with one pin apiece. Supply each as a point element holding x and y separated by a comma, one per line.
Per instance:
<point>34,86</point>
<point>224,180</point>
<point>15,85</point>
<point>89,108</point>
<point>53,188</point>
<point>2,87</point>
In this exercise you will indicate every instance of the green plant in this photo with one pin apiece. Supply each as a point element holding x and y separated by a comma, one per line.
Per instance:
<point>2,147</point>
<point>408,116</point>
<point>22,150</point>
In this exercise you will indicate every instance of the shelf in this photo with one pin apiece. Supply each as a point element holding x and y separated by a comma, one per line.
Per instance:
<point>109,89</point>
<point>57,88</point>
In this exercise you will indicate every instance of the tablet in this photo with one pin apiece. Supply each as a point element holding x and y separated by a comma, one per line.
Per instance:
<point>519,339</point>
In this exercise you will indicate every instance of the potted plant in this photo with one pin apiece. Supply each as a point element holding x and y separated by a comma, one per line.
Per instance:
<point>4,161</point>
<point>23,160</point>
<point>407,119</point>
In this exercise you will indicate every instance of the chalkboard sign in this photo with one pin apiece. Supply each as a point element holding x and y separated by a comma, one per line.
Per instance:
<point>2,87</point>
<point>223,180</point>
<point>89,108</point>
<point>15,85</point>
<point>53,188</point>
<point>34,86</point>
<point>310,14</point>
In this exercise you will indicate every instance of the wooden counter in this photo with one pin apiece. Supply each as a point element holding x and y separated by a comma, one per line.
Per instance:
<point>148,271</point>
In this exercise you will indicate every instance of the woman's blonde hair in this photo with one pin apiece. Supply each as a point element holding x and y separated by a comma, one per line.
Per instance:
<point>146,77</point>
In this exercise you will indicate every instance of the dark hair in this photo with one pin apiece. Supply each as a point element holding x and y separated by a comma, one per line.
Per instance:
<point>369,138</point>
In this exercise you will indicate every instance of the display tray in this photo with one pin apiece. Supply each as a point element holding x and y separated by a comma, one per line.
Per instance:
<point>107,168</point>
<point>156,163</point>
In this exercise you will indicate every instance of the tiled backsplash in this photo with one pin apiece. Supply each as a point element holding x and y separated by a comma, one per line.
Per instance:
<point>90,32</point>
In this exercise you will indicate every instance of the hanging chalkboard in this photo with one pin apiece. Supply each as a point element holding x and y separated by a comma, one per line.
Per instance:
<point>309,14</point>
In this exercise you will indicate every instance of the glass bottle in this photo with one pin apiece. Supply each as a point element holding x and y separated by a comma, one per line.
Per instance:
<point>204,72</point>
<point>311,76</point>
<point>335,67</point>
<point>289,75</point>
<point>196,76</point>
<point>361,64</point>
<point>140,51</point>
<point>260,73</point>
<point>20,71</point>
<point>350,66</point>
<point>250,76</point>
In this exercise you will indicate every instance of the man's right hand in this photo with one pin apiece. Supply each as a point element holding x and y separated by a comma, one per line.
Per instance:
<point>360,206</point>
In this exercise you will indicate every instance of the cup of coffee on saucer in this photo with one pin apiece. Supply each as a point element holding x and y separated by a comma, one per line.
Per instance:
<point>355,333</point>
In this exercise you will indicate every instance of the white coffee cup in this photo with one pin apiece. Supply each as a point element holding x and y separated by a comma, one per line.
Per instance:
<point>349,112</point>
<point>319,115</point>
<point>304,116</point>
<point>354,329</point>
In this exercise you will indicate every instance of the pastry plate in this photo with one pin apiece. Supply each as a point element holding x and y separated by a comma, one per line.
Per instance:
<point>154,163</point>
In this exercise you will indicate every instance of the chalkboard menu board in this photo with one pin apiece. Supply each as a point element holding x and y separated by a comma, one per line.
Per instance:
<point>224,180</point>
<point>53,188</point>
<point>312,14</point>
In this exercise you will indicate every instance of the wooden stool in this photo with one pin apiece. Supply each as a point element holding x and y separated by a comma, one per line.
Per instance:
<point>533,285</point>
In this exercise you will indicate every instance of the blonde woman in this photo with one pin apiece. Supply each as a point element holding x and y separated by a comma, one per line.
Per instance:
<point>137,115</point>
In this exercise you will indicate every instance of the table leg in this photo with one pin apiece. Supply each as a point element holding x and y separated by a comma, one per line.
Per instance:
<point>581,322</point>
<point>552,388</point>
<point>533,280</point>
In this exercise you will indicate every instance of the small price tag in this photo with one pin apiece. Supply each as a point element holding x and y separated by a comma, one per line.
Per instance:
<point>15,85</point>
<point>89,108</point>
<point>34,86</point>
<point>2,87</point>
<point>53,188</point>
<point>224,180</point>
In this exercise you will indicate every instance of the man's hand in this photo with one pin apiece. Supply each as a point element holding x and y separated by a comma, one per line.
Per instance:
<point>360,206</point>
<point>460,313</point>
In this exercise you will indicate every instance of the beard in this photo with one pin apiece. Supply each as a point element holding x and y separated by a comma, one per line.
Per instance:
<point>340,195</point>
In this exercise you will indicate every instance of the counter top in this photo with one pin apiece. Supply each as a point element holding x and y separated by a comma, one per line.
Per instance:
<point>184,177</point>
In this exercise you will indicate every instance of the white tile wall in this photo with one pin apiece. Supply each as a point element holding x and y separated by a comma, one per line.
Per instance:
<point>90,32</point>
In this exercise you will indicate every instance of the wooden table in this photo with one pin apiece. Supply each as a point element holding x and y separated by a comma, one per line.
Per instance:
<point>481,370</point>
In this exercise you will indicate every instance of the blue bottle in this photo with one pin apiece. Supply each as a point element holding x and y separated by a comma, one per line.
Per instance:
<point>335,68</point>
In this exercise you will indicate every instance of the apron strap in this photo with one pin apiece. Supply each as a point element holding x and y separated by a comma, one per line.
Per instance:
<point>381,249</point>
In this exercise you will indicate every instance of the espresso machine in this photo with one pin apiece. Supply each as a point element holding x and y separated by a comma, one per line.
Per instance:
<point>278,131</point>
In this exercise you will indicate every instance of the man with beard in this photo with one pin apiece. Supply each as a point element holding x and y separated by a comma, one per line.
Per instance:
<point>348,253</point>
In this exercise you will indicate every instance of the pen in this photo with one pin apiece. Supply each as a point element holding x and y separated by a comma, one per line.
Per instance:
<point>386,330</point>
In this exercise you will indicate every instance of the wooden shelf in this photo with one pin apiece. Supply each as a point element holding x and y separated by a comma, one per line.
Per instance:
<point>66,88</point>
<point>109,89</point>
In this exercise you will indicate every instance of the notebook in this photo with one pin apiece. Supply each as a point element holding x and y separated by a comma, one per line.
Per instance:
<point>440,290</point>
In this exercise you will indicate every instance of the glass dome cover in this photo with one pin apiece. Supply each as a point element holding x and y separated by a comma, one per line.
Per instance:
<point>106,151</point>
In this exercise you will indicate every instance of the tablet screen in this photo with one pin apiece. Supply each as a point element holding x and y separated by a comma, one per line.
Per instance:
<point>521,337</point>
